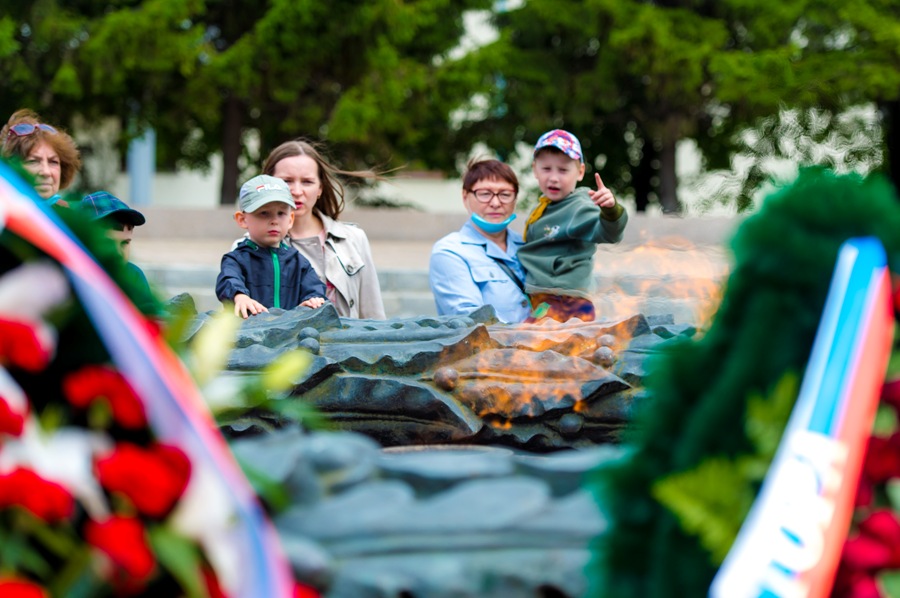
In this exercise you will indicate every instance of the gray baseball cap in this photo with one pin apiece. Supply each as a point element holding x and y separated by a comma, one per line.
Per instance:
<point>263,189</point>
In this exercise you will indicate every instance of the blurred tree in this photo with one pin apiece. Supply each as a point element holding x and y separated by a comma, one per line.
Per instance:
<point>631,78</point>
<point>384,83</point>
<point>375,78</point>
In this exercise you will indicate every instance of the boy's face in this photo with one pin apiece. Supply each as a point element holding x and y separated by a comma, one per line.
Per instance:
<point>557,174</point>
<point>268,225</point>
<point>122,239</point>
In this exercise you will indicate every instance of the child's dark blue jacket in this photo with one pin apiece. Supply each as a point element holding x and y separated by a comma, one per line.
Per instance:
<point>253,270</point>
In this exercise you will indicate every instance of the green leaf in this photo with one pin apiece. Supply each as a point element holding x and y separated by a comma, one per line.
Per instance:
<point>301,411</point>
<point>281,374</point>
<point>212,345</point>
<point>885,421</point>
<point>17,553</point>
<point>892,490</point>
<point>76,579</point>
<point>768,416</point>
<point>890,584</point>
<point>271,492</point>
<point>709,501</point>
<point>180,557</point>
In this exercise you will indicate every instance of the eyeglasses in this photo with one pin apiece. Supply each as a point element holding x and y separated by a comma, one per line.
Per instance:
<point>486,195</point>
<point>25,129</point>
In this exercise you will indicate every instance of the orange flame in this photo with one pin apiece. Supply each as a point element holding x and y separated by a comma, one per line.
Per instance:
<point>664,276</point>
<point>551,366</point>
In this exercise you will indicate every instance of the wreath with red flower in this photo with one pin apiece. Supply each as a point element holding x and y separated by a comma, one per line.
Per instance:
<point>93,501</point>
<point>86,489</point>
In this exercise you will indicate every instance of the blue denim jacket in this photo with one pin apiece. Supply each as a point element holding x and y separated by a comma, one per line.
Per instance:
<point>464,275</point>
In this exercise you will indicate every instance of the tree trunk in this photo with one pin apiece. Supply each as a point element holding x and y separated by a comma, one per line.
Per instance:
<point>231,150</point>
<point>643,175</point>
<point>668,179</point>
<point>891,122</point>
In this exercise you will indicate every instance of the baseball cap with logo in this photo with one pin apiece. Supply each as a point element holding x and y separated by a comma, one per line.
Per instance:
<point>263,189</point>
<point>561,140</point>
<point>103,204</point>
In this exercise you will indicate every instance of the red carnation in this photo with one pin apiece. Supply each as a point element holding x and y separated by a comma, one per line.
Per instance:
<point>851,583</point>
<point>890,393</point>
<point>123,540</point>
<point>94,382</point>
<point>304,591</point>
<point>47,500</point>
<point>213,589</point>
<point>153,478</point>
<point>874,548</point>
<point>865,493</point>
<point>11,587</point>
<point>11,422</point>
<point>882,460</point>
<point>22,347</point>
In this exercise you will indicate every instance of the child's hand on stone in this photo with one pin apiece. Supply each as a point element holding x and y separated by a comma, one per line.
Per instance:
<point>313,302</point>
<point>602,197</point>
<point>244,306</point>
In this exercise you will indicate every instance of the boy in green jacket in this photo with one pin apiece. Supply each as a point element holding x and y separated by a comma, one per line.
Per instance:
<point>562,232</point>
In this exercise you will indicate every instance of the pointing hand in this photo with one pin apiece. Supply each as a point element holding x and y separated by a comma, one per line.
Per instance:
<point>602,197</point>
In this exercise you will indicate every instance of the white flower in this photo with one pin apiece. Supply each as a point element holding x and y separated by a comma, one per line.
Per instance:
<point>206,513</point>
<point>13,393</point>
<point>32,289</point>
<point>65,456</point>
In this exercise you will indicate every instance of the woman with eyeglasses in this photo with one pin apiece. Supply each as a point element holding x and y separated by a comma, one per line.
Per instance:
<point>45,151</point>
<point>477,265</point>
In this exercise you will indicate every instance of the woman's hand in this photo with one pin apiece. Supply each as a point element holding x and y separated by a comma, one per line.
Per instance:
<point>313,302</point>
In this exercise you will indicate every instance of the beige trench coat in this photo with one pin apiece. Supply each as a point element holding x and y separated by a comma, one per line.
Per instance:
<point>348,265</point>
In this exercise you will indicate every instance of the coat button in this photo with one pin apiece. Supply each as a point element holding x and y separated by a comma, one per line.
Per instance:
<point>351,303</point>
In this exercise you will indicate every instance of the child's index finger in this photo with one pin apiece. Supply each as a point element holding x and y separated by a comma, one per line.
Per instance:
<point>600,184</point>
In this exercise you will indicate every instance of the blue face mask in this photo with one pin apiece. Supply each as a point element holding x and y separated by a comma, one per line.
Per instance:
<point>491,227</point>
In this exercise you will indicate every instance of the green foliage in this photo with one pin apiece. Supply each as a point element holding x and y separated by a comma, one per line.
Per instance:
<point>376,79</point>
<point>767,417</point>
<point>272,493</point>
<point>890,584</point>
<point>8,43</point>
<point>181,558</point>
<point>386,84</point>
<point>699,389</point>
<point>712,500</point>
<point>633,78</point>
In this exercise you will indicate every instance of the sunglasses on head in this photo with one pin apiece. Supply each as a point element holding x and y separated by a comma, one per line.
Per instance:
<point>24,129</point>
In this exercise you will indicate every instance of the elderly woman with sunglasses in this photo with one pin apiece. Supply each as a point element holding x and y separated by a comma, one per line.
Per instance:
<point>477,265</point>
<point>45,151</point>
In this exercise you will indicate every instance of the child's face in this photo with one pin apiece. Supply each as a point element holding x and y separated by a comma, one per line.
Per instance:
<point>269,224</point>
<point>557,174</point>
<point>122,239</point>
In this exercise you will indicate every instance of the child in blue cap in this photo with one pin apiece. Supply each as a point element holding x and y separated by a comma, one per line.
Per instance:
<point>263,271</point>
<point>120,220</point>
<point>562,232</point>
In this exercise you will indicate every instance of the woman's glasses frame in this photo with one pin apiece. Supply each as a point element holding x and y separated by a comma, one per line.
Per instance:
<point>486,195</point>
